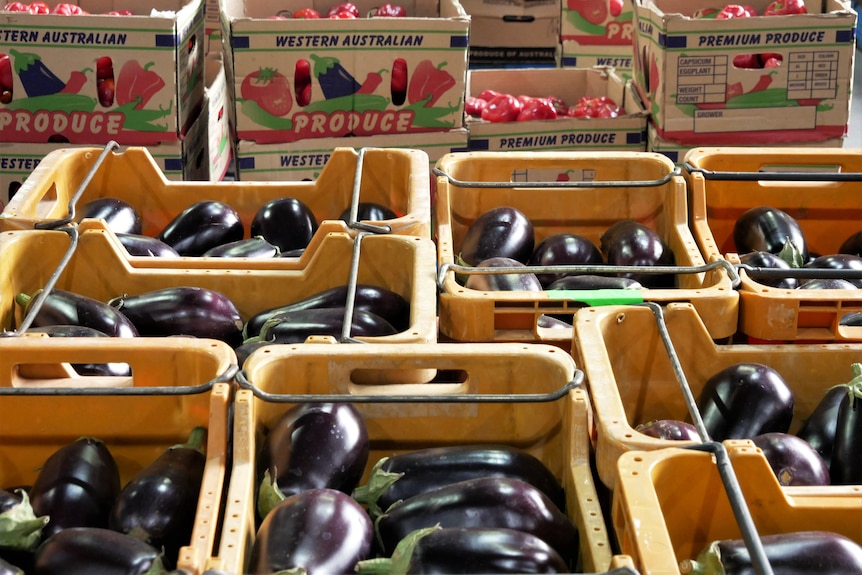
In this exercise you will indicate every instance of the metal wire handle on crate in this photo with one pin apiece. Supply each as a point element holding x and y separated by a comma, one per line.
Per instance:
<point>352,220</point>
<point>775,176</point>
<point>570,184</point>
<point>737,501</point>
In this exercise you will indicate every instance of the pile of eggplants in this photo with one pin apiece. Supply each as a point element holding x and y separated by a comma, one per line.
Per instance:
<point>76,517</point>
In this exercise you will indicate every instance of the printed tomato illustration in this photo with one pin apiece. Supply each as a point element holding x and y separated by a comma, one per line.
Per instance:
<point>269,89</point>
<point>593,11</point>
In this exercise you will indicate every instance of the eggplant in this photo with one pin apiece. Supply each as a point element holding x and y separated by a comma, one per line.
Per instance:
<point>287,223</point>
<point>246,349</point>
<point>386,303</point>
<point>852,245</point>
<point>846,464</point>
<point>297,326</point>
<point>669,430</point>
<point>455,550</point>
<point>826,283</point>
<point>118,369</point>
<point>819,429</point>
<point>7,568</point>
<point>321,531</point>
<point>312,446</point>
<point>158,505</point>
<point>402,476</point>
<point>795,553</point>
<point>20,528</point>
<point>630,243</point>
<point>201,226</point>
<point>763,259</point>
<point>96,551</point>
<point>526,281</point>
<point>62,307</point>
<point>76,486</point>
<point>563,249</point>
<point>768,229</point>
<point>120,216</point>
<point>254,247</point>
<point>295,253</point>
<point>369,212</point>
<point>502,502</point>
<point>590,282</point>
<point>851,319</point>
<point>554,322</point>
<point>499,232</point>
<point>792,459</point>
<point>838,262</point>
<point>183,310</point>
<point>145,246</point>
<point>744,400</point>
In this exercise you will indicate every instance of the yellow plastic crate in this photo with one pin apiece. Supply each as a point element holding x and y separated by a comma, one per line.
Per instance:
<point>827,211</point>
<point>403,264</point>
<point>396,178</point>
<point>193,375</point>
<point>671,503</point>
<point>554,431</point>
<point>472,315</point>
<point>631,381</point>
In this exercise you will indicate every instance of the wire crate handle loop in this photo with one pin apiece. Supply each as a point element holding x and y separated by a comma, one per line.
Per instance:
<point>570,184</point>
<point>824,176</point>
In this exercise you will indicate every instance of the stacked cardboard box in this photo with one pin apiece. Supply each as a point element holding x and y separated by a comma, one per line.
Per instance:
<point>598,33</point>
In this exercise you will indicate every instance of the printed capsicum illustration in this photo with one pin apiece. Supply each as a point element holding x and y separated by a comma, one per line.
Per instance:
<point>138,84</point>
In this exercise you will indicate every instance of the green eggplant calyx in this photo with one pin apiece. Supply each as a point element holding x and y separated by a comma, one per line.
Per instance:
<point>399,563</point>
<point>791,254</point>
<point>157,568</point>
<point>196,440</point>
<point>461,278</point>
<point>708,562</point>
<point>268,495</point>
<point>379,481</point>
<point>854,387</point>
<point>24,300</point>
<point>19,526</point>
<point>376,566</point>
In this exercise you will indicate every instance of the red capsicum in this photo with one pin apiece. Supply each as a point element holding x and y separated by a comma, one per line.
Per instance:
<point>302,82</point>
<point>429,82</point>
<point>735,11</point>
<point>785,7</point>
<point>137,83</point>
<point>6,79</point>
<point>398,81</point>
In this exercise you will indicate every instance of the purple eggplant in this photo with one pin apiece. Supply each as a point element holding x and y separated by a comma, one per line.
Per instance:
<point>255,247</point>
<point>7,568</point>
<point>499,232</point>
<point>145,246</point>
<point>119,215</point>
<point>287,223</point>
<point>201,226</point>
<point>295,253</point>
<point>312,446</point>
<point>321,531</point>
<point>744,400</point>
<point>768,229</point>
<point>76,486</point>
<point>501,502</point>
<point>183,310</point>
<point>62,307</point>
<point>246,349</point>
<point>369,212</point>
<point>846,464</point>
<point>456,550</point>
<point>296,326</point>
<point>96,551</point>
<point>591,282</point>
<point>405,475</point>
<point>20,528</point>
<point>631,243</point>
<point>852,245</point>
<point>563,249</point>
<point>763,259</point>
<point>669,430</point>
<point>819,429</point>
<point>793,460</point>
<point>838,262</point>
<point>851,319</point>
<point>826,283</point>
<point>526,281</point>
<point>109,369</point>
<point>795,553</point>
<point>386,303</point>
<point>158,505</point>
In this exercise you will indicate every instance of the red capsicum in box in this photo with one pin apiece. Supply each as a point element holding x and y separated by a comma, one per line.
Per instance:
<point>137,82</point>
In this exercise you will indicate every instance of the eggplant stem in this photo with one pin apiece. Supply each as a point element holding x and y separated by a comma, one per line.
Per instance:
<point>268,495</point>
<point>376,566</point>
<point>379,481</point>
<point>23,299</point>
<point>195,441</point>
<point>854,387</point>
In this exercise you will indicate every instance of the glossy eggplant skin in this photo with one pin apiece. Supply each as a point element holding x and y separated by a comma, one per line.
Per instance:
<point>7,568</point>
<point>590,282</point>
<point>563,249</point>
<point>630,243</point>
<point>97,369</point>
<point>669,430</point>
<point>763,259</point>
<point>407,474</point>
<point>826,283</point>
<point>158,505</point>
<point>499,232</point>
<point>838,262</point>
<point>95,551</point>
<point>287,223</point>
<point>315,446</point>
<point>63,307</point>
<point>526,281</point>
<point>145,246</point>
<point>820,427</point>
<point>795,553</point>
<point>183,310</point>
<point>119,215</point>
<point>384,302</point>
<point>852,245</point>
<point>483,502</point>
<point>297,326</point>
<point>369,212</point>
<point>201,226</point>
<point>8,500</point>
<point>256,247</point>
<point>323,531</point>
<point>744,400</point>
<point>765,228</point>
<point>846,464</point>
<point>792,459</point>
<point>76,486</point>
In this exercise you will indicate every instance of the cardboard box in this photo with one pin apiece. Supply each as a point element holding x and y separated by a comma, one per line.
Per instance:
<point>627,132</point>
<point>684,69</point>
<point>513,32</point>
<point>598,33</point>
<point>157,57</point>
<point>219,140</point>
<point>351,65</point>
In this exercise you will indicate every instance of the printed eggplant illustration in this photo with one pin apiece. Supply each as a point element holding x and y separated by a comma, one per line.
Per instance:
<point>36,78</point>
<point>335,81</point>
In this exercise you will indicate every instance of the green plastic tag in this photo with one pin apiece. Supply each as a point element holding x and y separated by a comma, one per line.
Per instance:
<point>597,297</point>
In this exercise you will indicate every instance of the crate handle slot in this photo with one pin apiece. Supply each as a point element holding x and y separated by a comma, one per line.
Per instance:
<point>352,221</point>
<point>776,176</point>
<point>575,383</point>
<point>570,184</point>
